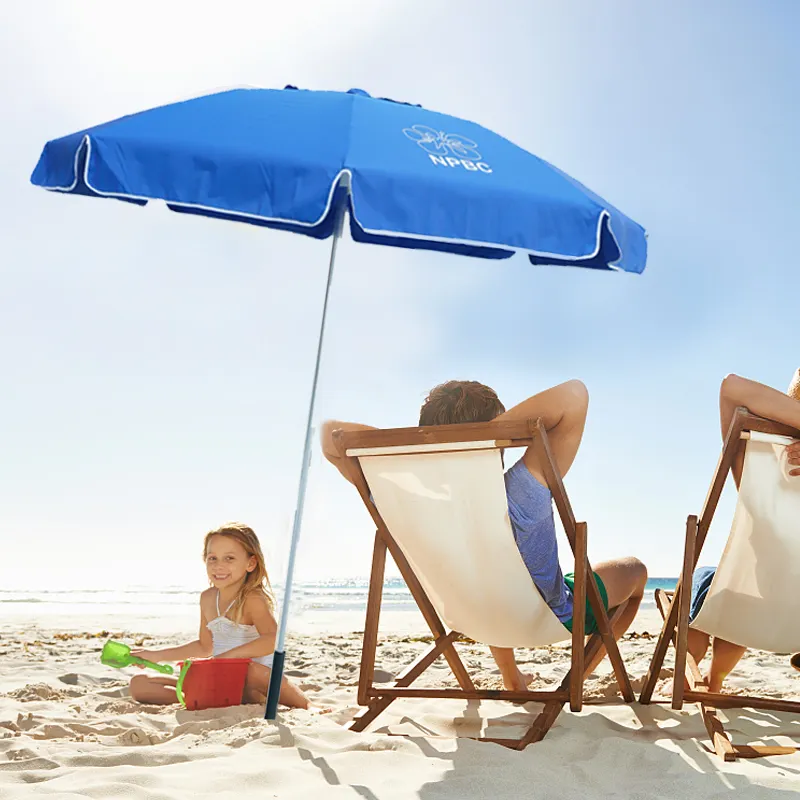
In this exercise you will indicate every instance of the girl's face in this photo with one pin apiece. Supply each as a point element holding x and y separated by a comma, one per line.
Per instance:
<point>227,562</point>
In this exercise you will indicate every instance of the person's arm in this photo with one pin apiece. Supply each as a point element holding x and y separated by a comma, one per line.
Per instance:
<point>257,608</point>
<point>193,649</point>
<point>201,647</point>
<point>763,401</point>
<point>329,447</point>
<point>562,410</point>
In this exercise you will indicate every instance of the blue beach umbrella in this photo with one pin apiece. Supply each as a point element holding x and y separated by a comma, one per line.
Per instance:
<point>302,160</point>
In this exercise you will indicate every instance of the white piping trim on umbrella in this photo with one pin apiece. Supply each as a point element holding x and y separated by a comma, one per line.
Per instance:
<point>344,178</point>
<point>88,142</point>
<point>74,169</point>
<point>472,243</point>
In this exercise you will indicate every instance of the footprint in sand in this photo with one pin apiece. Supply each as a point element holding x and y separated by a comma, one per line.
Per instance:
<point>27,765</point>
<point>77,679</point>
<point>21,754</point>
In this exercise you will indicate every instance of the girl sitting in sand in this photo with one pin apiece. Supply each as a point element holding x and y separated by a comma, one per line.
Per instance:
<point>236,620</point>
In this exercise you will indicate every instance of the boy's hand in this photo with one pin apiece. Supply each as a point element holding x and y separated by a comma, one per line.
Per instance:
<point>793,455</point>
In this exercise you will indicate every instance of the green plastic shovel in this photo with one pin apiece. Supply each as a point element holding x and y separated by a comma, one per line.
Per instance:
<point>118,655</point>
<point>179,688</point>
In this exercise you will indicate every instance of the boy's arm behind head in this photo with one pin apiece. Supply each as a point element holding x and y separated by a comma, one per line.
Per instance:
<point>329,449</point>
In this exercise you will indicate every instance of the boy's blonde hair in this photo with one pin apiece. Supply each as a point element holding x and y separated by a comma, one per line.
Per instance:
<point>255,582</point>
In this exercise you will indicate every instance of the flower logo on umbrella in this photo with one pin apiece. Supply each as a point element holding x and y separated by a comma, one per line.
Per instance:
<point>440,143</point>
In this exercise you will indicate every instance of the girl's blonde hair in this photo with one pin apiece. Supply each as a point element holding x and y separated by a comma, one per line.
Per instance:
<point>794,387</point>
<point>255,582</point>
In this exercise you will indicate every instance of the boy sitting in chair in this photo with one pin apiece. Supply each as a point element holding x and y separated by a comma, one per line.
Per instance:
<point>562,409</point>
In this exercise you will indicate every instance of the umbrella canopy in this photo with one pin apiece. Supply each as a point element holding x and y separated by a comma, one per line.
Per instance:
<point>296,160</point>
<point>290,158</point>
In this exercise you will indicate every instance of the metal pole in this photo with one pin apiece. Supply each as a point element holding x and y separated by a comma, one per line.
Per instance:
<point>278,658</point>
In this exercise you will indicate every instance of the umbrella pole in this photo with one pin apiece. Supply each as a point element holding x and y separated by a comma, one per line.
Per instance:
<point>276,677</point>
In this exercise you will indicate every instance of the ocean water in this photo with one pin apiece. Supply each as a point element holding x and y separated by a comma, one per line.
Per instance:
<point>323,598</point>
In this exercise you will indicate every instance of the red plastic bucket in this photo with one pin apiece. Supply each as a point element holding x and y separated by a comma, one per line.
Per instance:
<point>214,682</point>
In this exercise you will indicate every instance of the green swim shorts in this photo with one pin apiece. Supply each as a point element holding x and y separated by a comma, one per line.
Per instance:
<point>591,622</point>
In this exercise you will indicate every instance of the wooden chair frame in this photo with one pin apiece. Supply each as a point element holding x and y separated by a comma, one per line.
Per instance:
<point>675,607</point>
<point>377,699</point>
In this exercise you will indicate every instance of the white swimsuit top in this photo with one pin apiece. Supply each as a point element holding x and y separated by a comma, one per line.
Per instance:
<point>227,634</point>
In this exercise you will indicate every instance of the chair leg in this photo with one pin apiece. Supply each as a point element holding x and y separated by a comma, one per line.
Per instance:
<point>721,742</point>
<point>443,642</point>
<point>727,750</point>
<point>665,637</point>
<point>723,746</point>
<point>428,612</point>
<point>549,714</point>
<point>405,678</point>
<point>684,600</point>
<point>578,619</point>
<point>539,727</point>
<point>542,724</point>
<point>663,600</point>
<point>370,641</point>
<point>662,645</point>
<point>604,625</point>
<point>537,731</point>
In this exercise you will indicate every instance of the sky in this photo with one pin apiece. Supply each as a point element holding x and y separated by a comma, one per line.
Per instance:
<point>157,367</point>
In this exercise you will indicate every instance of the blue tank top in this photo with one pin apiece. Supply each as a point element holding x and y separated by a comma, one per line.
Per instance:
<point>530,509</point>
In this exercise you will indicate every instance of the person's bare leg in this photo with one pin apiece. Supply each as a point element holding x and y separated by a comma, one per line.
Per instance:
<point>153,691</point>
<point>698,644</point>
<point>724,657</point>
<point>624,579</point>
<point>513,678</point>
<point>257,684</point>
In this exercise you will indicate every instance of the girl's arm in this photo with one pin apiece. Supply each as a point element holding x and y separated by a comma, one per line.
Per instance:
<point>195,649</point>
<point>758,399</point>
<point>763,401</point>
<point>256,607</point>
<point>201,647</point>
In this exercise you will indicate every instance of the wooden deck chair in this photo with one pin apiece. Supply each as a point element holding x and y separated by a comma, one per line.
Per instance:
<point>438,500</point>
<point>750,601</point>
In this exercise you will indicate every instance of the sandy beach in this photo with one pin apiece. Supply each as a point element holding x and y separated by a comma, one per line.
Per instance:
<point>68,728</point>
